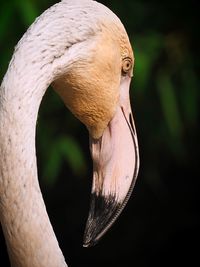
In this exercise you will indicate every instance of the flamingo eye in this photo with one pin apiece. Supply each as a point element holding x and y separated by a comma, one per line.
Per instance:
<point>126,65</point>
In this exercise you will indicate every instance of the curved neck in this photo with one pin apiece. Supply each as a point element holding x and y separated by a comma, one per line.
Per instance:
<point>28,232</point>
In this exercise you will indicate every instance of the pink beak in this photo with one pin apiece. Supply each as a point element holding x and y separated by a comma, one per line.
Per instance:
<point>115,168</point>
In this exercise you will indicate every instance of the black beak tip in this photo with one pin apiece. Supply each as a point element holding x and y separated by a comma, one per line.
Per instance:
<point>86,245</point>
<point>103,211</point>
<point>90,238</point>
<point>89,243</point>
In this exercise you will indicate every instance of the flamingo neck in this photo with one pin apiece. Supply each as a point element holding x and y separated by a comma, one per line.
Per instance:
<point>28,232</point>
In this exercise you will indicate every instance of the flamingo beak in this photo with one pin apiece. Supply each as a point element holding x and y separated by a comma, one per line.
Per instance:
<point>115,167</point>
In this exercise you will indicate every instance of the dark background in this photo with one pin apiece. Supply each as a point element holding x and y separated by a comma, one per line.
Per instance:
<point>159,226</point>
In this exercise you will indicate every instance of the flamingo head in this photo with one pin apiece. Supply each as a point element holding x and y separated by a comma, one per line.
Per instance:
<point>95,88</point>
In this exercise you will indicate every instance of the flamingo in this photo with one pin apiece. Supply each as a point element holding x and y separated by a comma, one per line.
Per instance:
<point>82,49</point>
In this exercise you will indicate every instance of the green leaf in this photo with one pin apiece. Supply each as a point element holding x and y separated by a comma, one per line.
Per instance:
<point>53,165</point>
<point>6,13</point>
<point>146,49</point>
<point>73,155</point>
<point>169,104</point>
<point>28,10</point>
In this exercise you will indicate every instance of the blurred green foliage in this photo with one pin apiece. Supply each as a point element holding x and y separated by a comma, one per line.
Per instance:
<point>165,97</point>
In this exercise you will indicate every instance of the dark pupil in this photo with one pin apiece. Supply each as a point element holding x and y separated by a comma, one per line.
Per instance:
<point>127,65</point>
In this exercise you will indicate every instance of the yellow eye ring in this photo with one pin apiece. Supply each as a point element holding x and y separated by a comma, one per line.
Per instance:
<point>126,65</point>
